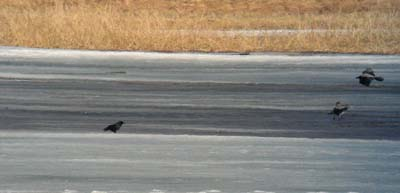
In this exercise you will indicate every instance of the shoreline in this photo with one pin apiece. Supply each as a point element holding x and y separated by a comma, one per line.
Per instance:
<point>196,52</point>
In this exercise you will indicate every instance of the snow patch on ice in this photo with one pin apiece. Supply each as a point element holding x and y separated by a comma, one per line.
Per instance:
<point>210,191</point>
<point>260,191</point>
<point>157,191</point>
<point>69,191</point>
<point>317,192</point>
<point>243,151</point>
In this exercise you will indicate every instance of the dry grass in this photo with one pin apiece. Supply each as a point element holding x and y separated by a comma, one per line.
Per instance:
<point>373,25</point>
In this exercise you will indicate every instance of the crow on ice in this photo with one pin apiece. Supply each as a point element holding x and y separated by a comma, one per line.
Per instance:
<point>114,127</point>
<point>368,76</point>
<point>339,110</point>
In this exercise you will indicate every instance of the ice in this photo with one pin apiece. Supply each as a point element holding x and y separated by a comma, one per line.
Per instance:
<point>22,191</point>
<point>139,163</point>
<point>52,137</point>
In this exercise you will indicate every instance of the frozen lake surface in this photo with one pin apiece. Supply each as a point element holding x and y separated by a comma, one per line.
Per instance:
<point>65,162</point>
<point>55,103</point>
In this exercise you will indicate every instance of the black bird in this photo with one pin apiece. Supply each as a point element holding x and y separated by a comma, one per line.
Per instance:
<point>368,76</point>
<point>339,110</point>
<point>114,127</point>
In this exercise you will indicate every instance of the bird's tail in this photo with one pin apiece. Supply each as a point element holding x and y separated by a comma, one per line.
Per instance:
<point>106,129</point>
<point>378,78</point>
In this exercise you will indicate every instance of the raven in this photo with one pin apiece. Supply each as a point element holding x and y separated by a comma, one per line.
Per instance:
<point>339,110</point>
<point>368,76</point>
<point>114,127</point>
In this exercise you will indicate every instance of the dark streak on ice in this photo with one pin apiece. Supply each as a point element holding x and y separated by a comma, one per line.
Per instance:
<point>271,110</point>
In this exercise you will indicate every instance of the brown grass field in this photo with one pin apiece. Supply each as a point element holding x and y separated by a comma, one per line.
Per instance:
<point>362,26</point>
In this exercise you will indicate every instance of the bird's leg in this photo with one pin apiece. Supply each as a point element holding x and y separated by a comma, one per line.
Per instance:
<point>376,86</point>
